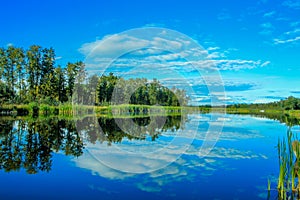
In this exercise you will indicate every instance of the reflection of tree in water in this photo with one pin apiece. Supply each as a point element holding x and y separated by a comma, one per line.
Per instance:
<point>282,118</point>
<point>112,132</point>
<point>30,144</point>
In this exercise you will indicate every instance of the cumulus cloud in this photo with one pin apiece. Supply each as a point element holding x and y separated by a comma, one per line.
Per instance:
<point>284,41</point>
<point>9,44</point>
<point>134,55</point>
<point>294,4</point>
<point>189,163</point>
<point>266,25</point>
<point>58,57</point>
<point>267,28</point>
<point>265,63</point>
<point>192,161</point>
<point>213,48</point>
<point>270,14</point>
<point>289,37</point>
<point>263,100</point>
<point>295,31</point>
<point>295,23</point>
<point>183,53</point>
<point>113,45</point>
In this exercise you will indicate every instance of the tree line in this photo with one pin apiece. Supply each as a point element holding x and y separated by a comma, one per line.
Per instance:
<point>140,91</point>
<point>290,103</point>
<point>32,76</point>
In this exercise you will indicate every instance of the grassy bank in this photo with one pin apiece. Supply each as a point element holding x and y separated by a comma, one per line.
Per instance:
<point>70,110</point>
<point>113,110</point>
<point>294,113</point>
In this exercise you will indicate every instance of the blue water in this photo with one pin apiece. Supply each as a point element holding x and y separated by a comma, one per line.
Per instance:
<point>237,167</point>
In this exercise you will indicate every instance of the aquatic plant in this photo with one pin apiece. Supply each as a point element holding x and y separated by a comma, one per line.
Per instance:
<point>288,151</point>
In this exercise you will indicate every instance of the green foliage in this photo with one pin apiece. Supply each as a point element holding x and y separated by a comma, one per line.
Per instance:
<point>6,94</point>
<point>291,103</point>
<point>288,152</point>
<point>29,144</point>
<point>139,91</point>
<point>32,76</point>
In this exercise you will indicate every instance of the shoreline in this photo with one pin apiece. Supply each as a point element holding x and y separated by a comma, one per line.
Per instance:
<point>131,110</point>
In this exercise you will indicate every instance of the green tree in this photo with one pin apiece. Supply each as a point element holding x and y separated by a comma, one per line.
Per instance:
<point>3,62</point>
<point>92,89</point>
<point>5,93</point>
<point>34,71</point>
<point>71,73</point>
<point>59,87</point>
<point>20,71</point>
<point>47,72</point>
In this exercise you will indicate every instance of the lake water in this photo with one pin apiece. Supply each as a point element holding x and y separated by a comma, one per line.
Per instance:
<point>197,156</point>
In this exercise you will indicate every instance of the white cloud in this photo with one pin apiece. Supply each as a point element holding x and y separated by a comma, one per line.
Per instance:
<point>294,4</point>
<point>155,25</point>
<point>262,100</point>
<point>213,48</point>
<point>192,158</point>
<point>239,64</point>
<point>113,45</point>
<point>103,50</point>
<point>267,28</point>
<point>194,163</point>
<point>267,25</point>
<point>289,37</point>
<point>138,155</point>
<point>270,14</point>
<point>292,40</point>
<point>58,57</point>
<point>215,55</point>
<point>187,61</point>
<point>295,31</point>
<point>9,44</point>
<point>294,24</point>
<point>265,63</point>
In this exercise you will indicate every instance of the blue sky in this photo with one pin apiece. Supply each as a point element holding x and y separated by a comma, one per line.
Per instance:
<point>255,44</point>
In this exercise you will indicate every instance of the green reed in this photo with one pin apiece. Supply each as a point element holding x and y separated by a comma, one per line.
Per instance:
<point>288,150</point>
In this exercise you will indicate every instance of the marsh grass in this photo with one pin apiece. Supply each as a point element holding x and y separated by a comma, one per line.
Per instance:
<point>288,150</point>
<point>68,109</point>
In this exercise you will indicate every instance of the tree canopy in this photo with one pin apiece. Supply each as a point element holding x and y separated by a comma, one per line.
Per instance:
<point>32,76</point>
<point>290,103</point>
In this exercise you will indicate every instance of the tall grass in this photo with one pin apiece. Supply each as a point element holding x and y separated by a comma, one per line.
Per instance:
<point>68,109</point>
<point>288,151</point>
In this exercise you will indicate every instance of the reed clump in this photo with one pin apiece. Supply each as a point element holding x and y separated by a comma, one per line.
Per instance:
<point>288,179</point>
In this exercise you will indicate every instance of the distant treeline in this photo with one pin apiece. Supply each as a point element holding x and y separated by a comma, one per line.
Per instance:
<point>291,103</point>
<point>138,91</point>
<point>32,76</point>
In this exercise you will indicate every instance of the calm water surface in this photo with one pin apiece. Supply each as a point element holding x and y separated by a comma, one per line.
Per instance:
<point>64,159</point>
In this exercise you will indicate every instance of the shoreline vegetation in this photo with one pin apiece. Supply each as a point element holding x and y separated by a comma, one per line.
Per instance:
<point>84,110</point>
<point>32,84</point>
<point>130,110</point>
